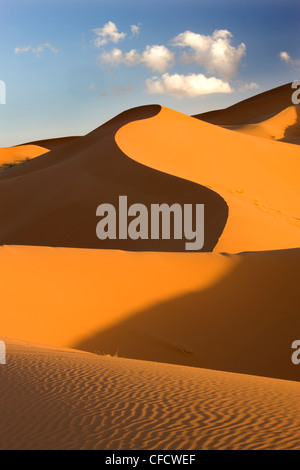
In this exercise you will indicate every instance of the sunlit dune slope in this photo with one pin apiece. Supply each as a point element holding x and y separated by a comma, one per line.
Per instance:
<point>238,313</point>
<point>65,399</point>
<point>284,126</point>
<point>20,153</point>
<point>252,110</point>
<point>52,200</point>
<point>258,178</point>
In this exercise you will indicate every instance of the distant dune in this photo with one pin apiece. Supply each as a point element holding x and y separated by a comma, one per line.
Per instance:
<point>53,144</point>
<point>284,126</point>
<point>252,110</point>
<point>66,399</point>
<point>20,153</point>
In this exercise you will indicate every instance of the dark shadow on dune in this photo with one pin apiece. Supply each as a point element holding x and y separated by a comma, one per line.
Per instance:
<point>52,199</point>
<point>292,133</point>
<point>52,144</point>
<point>244,323</point>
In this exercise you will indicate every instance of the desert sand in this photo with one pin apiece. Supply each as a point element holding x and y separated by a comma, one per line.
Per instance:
<point>20,153</point>
<point>169,349</point>
<point>236,313</point>
<point>66,399</point>
<point>283,127</point>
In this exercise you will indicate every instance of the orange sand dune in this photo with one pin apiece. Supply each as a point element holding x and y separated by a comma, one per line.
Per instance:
<point>284,126</point>
<point>238,313</point>
<point>66,399</point>
<point>255,109</point>
<point>258,178</point>
<point>223,310</point>
<point>52,200</point>
<point>21,152</point>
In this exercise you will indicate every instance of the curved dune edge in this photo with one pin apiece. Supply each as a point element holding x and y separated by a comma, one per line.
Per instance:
<point>237,313</point>
<point>21,152</point>
<point>255,109</point>
<point>52,200</point>
<point>54,143</point>
<point>257,178</point>
<point>66,399</point>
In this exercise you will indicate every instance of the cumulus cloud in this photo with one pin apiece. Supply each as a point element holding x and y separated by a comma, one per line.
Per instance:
<point>36,50</point>
<point>285,56</point>
<point>109,32</point>
<point>186,85</point>
<point>156,58</point>
<point>214,52</point>
<point>248,86</point>
<point>135,29</point>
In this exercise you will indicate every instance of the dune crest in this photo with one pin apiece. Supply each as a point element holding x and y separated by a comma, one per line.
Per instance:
<point>255,109</point>
<point>73,179</point>
<point>257,178</point>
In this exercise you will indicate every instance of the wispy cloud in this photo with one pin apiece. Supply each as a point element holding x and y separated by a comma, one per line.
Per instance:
<point>186,85</point>
<point>23,49</point>
<point>214,52</point>
<point>285,56</point>
<point>121,91</point>
<point>108,33</point>
<point>156,58</point>
<point>38,50</point>
<point>248,86</point>
<point>135,29</point>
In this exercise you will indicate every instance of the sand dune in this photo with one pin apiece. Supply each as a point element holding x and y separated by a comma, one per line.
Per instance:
<point>65,399</point>
<point>284,126</point>
<point>225,312</point>
<point>238,313</point>
<point>257,178</point>
<point>53,144</point>
<point>20,153</point>
<point>252,110</point>
<point>72,180</point>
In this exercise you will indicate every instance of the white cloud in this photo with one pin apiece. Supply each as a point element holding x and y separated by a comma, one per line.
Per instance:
<point>248,86</point>
<point>135,29</point>
<point>23,49</point>
<point>114,57</point>
<point>50,47</point>
<point>109,32</point>
<point>36,50</point>
<point>156,58</point>
<point>285,56</point>
<point>186,85</point>
<point>214,52</point>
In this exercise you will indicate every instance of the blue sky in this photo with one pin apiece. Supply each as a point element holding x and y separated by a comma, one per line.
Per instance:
<point>70,65</point>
